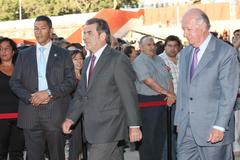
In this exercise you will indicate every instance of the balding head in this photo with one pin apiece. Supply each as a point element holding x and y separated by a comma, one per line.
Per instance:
<point>199,16</point>
<point>195,24</point>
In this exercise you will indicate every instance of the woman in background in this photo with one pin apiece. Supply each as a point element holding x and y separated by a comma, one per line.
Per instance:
<point>76,141</point>
<point>77,58</point>
<point>130,52</point>
<point>11,137</point>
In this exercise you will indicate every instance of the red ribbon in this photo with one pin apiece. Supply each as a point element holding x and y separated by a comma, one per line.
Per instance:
<point>152,104</point>
<point>8,115</point>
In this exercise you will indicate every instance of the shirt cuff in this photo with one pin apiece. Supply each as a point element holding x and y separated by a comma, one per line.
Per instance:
<point>219,128</point>
<point>134,127</point>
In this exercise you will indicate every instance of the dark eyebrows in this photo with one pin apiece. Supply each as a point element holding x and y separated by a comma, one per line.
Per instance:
<point>87,32</point>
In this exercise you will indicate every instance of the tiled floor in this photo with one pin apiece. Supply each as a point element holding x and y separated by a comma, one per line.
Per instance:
<point>130,155</point>
<point>133,155</point>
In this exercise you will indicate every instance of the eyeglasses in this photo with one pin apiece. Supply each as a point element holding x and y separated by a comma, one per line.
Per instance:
<point>5,49</point>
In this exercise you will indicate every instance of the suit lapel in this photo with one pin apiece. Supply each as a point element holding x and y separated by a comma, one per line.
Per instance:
<point>206,58</point>
<point>53,55</point>
<point>33,58</point>
<point>84,72</point>
<point>100,63</point>
<point>33,61</point>
<point>188,59</point>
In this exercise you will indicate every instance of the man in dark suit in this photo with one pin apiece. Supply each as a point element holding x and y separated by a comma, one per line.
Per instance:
<point>43,80</point>
<point>106,96</point>
<point>207,90</point>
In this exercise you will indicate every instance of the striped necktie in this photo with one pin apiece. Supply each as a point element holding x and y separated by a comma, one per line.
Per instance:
<point>194,62</point>
<point>93,58</point>
<point>41,63</point>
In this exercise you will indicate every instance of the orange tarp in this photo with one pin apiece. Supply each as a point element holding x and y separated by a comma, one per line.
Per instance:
<point>75,37</point>
<point>19,41</point>
<point>115,18</point>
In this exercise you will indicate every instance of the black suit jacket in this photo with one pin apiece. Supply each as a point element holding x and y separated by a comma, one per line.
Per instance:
<point>61,82</point>
<point>109,102</point>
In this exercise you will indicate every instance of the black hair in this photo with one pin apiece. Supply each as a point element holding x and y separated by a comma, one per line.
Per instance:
<point>173,38</point>
<point>237,30</point>
<point>13,45</point>
<point>128,50</point>
<point>102,26</point>
<point>46,19</point>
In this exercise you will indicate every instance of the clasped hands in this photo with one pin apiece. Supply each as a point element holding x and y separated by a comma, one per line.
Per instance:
<point>171,98</point>
<point>40,97</point>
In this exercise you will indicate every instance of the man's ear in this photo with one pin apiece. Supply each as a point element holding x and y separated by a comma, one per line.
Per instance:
<point>51,32</point>
<point>103,36</point>
<point>140,47</point>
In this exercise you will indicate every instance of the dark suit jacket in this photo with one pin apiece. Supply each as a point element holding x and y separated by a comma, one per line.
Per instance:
<point>109,102</point>
<point>61,81</point>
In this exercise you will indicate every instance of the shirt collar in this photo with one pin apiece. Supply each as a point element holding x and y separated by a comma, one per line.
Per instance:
<point>46,46</point>
<point>204,45</point>
<point>99,52</point>
<point>147,57</point>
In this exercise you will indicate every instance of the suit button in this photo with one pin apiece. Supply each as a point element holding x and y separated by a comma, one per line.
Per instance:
<point>191,98</point>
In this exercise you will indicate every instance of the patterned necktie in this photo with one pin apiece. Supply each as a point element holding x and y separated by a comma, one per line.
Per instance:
<point>194,62</point>
<point>93,58</point>
<point>41,63</point>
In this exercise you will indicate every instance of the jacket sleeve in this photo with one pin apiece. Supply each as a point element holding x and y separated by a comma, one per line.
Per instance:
<point>15,81</point>
<point>125,77</point>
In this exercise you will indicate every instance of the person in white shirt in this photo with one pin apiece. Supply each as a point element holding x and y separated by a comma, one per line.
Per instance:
<point>43,79</point>
<point>172,47</point>
<point>236,144</point>
<point>106,96</point>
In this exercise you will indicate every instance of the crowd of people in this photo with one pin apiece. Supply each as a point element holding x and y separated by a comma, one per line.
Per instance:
<point>98,98</point>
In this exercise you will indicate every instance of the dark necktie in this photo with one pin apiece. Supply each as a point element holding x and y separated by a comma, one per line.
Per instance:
<point>194,62</point>
<point>91,67</point>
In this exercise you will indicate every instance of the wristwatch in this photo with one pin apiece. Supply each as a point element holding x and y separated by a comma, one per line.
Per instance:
<point>49,93</point>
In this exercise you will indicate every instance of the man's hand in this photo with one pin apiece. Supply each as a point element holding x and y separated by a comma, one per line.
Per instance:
<point>171,101</point>
<point>216,136</point>
<point>171,98</point>
<point>46,101</point>
<point>135,134</point>
<point>66,126</point>
<point>40,97</point>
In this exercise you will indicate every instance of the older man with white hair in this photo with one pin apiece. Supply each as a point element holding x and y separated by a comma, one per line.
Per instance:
<point>207,91</point>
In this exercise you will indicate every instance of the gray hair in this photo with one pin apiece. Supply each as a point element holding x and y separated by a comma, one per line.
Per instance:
<point>143,38</point>
<point>203,18</point>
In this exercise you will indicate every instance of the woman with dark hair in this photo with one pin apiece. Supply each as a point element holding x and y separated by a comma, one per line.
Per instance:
<point>77,58</point>
<point>11,137</point>
<point>130,52</point>
<point>76,141</point>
